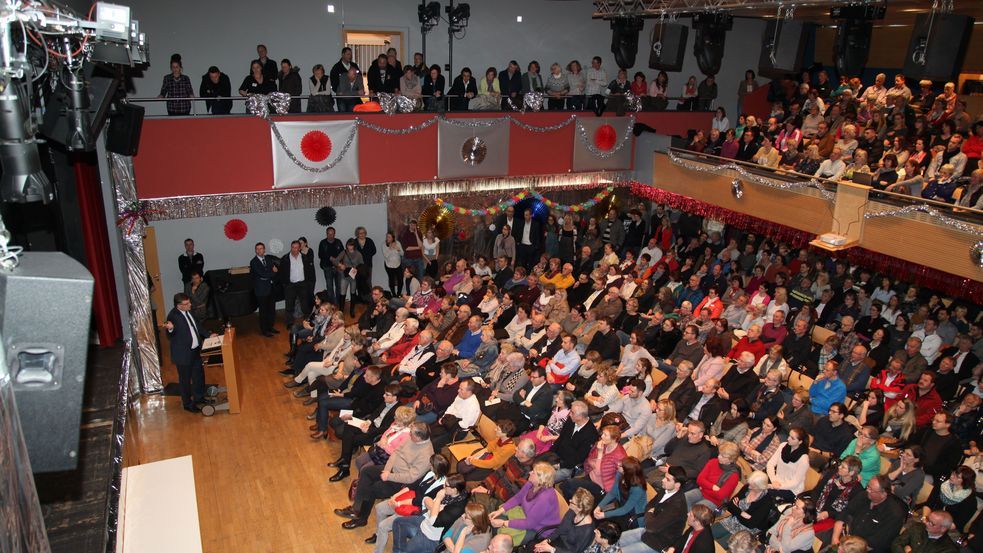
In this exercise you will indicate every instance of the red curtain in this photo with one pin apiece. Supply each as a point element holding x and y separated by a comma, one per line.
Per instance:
<point>105,307</point>
<point>927,277</point>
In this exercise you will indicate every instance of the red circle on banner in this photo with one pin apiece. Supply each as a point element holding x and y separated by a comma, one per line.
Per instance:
<point>316,146</point>
<point>236,229</point>
<point>605,137</point>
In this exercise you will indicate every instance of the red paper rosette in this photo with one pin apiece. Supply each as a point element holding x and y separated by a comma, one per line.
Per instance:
<point>316,146</point>
<point>605,137</point>
<point>236,229</point>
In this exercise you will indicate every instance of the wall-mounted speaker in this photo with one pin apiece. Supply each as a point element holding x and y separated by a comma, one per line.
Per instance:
<point>123,133</point>
<point>937,47</point>
<point>852,46</point>
<point>787,45</point>
<point>668,46</point>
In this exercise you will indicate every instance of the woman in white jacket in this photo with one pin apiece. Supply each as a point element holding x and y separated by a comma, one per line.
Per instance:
<point>788,466</point>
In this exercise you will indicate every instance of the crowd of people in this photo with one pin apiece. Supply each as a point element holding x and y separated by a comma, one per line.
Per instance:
<point>920,143</point>
<point>564,87</point>
<point>647,381</point>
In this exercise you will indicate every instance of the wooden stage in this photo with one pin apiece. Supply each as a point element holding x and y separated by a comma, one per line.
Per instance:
<point>261,482</point>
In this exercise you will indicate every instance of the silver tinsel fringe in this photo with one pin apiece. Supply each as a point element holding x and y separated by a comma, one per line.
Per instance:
<point>975,230</point>
<point>749,176</point>
<point>187,207</point>
<point>141,316</point>
<point>310,169</point>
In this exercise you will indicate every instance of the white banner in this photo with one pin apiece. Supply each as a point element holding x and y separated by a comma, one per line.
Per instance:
<point>472,148</point>
<point>602,143</point>
<point>322,152</point>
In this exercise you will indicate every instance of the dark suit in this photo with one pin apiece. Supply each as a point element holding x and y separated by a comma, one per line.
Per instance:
<point>383,79</point>
<point>571,449</point>
<point>664,522</point>
<point>527,417</point>
<point>711,410</point>
<point>502,277</point>
<point>187,356</point>
<point>263,275</point>
<point>296,292</point>
<point>525,254</point>
<point>352,437</point>
<point>188,264</point>
<point>702,542</point>
<point>683,397</point>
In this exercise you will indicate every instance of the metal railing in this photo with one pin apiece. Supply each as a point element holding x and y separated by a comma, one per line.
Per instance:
<point>966,214</point>
<point>198,108</point>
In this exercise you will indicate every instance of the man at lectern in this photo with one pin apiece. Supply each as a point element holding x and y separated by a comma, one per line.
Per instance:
<point>186,336</point>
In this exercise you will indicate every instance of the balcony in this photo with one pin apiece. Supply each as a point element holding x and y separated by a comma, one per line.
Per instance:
<point>940,240</point>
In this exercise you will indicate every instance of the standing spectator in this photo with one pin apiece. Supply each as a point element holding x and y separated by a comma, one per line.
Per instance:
<point>597,81</point>
<point>328,251</point>
<point>291,84</point>
<point>433,88</point>
<point>349,89</point>
<point>489,92</point>
<point>366,247</point>
<point>578,84</point>
<point>747,86</point>
<point>532,81</point>
<point>419,65</point>
<point>411,86</point>
<point>340,69</point>
<point>256,82</point>
<point>319,89</point>
<point>463,89</point>
<point>510,86</point>
<point>263,269</point>
<point>689,95</point>
<point>198,291</point>
<point>392,254</point>
<point>190,261</point>
<point>383,77</point>
<point>215,84</point>
<point>706,93</point>
<point>557,87</point>
<point>293,278</point>
<point>269,67</point>
<point>177,85</point>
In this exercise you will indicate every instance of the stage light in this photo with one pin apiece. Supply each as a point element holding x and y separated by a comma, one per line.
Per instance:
<point>518,19</point>
<point>330,8</point>
<point>624,40</point>
<point>711,35</point>
<point>458,17</point>
<point>23,180</point>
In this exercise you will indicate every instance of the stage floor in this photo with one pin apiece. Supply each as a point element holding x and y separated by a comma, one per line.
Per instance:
<point>261,482</point>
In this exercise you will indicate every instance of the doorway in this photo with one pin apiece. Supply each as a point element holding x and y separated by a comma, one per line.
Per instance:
<point>367,44</point>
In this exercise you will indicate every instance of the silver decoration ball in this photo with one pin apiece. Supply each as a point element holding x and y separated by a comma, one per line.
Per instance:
<point>976,254</point>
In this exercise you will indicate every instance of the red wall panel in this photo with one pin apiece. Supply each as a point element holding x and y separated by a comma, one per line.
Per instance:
<point>221,155</point>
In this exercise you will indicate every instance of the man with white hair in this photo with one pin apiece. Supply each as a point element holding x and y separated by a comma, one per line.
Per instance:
<point>930,536</point>
<point>392,335</point>
<point>418,355</point>
<point>741,380</point>
<point>752,343</point>
<point>501,543</point>
<point>876,91</point>
<point>397,351</point>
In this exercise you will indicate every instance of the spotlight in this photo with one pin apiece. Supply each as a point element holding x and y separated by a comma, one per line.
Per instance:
<point>459,15</point>
<point>711,34</point>
<point>624,40</point>
<point>23,180</point>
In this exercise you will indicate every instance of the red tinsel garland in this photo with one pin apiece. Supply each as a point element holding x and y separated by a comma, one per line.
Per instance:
<point>927,277</point>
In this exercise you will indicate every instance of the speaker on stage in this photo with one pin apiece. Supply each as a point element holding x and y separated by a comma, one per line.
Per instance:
<point>123,134</point>
<point>936,51</point>
<point>668,46</point>
<point>45,307</point>
<point>788,48</point>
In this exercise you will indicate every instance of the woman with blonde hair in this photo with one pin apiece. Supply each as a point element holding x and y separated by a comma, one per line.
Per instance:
<point>536,505</point>
<point>661,428</point>
<point>576,530</point>
<point>603,391</point>
<point>898,425</point>
<point>750,508</point>
<point>394,436</point>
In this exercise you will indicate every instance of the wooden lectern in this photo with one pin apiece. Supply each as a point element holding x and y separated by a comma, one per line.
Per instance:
<point>230,364</point>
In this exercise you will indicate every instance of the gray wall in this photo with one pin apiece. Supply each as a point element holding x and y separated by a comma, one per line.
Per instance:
<point>224,33</point>
<point>220,252</point>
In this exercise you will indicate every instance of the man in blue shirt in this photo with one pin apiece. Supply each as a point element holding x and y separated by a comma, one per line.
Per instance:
<point>471,340</point>
<point>827,389</point>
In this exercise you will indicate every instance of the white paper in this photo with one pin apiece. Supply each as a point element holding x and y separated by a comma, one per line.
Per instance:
<point>352,273</point>
<point>356,422</point>
<point>344,412</point>
<point>213,342</point>
<point>493,401</point>
<point>478,379</point>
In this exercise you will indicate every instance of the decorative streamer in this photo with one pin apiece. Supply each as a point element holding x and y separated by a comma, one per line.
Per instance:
<point>976,254</point>
<point>220,205</point>
<point>136,212</point>
<point>522,195</point>
<point>141,318</point>
<point>533,100</point>
<point>975,230</point>
<point>124,391</point>
<point>259,104</point>
<point>633,102</point>
<point>737,188</point>
<point>393,103</point>
<point>749,176</point>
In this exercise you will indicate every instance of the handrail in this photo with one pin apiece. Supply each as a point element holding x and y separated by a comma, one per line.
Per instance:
<point>974,215</point>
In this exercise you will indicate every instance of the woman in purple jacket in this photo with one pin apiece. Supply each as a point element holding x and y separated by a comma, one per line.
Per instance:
<point>533,507</point>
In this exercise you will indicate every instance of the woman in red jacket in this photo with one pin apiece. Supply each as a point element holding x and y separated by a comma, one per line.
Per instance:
<point>718,479</point>
<point>601,466</point>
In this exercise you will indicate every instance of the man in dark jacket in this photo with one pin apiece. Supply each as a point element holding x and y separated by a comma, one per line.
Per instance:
<point>216,84</point>
<point>340,69</point>
<point>510,84</point>
<point>186,336</point>
<point>665,517</point>
<point>291,84</point>
<point>263,269</point>
<point>383,77</point>
<point>679,389</point>
<point>293,278</point>
<point>528,234</point>
<point>361,393</point>
<point>577,436</point>
<point>270,71</point>
<point>366,432</point>
<point>327,253</point>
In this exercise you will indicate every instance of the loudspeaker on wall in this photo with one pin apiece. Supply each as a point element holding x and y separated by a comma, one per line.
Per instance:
<point>936,51</point>
<point>668,46</point>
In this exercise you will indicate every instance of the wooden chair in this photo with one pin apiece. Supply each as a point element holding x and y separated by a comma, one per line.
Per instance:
<point>812,479</point>
<point>798,380</point>
<point>820,334</point>
<point>885,465</point>
<point>926,491</point>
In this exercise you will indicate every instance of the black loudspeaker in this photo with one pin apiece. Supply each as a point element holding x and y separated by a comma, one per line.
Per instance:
<point>624,40</point>
<point>46,306</point>
<point>936,52</point>
<point>711,34</point>
<point>100,87</point>
<point>123,133</point>
<point>788,48</point>
<point>668,47</point>
<point>852,46</point>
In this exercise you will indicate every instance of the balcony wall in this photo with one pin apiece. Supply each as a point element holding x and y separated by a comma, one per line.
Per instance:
<point>915,237</point>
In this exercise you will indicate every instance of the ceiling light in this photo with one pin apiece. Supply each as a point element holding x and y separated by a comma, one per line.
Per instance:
<point>330,8</point>
<point>518,19</point>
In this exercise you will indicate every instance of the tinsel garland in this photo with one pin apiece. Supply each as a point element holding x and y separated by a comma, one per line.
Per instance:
<point>134,213</point>
<point>749,176</point>
<point>259,104</point>
<point>900,269</point>
<point>522,195</point>
<point>594,150</point>
<point>392,103</point>
<point>975,230</point>
<point>311,169</point>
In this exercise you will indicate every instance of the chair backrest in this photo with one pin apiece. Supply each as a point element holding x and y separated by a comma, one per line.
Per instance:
<point>926,491</point>
<point>562,502</point>
<point>820,333</point>
<point>798,380</point>
<point>649,492</point>
<point>885,465</point>
<point>812,479</point>
<point>657,378</point>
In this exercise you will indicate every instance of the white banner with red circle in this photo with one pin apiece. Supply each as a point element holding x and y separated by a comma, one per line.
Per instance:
<point>602,143</point>
<point>322,152</point>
